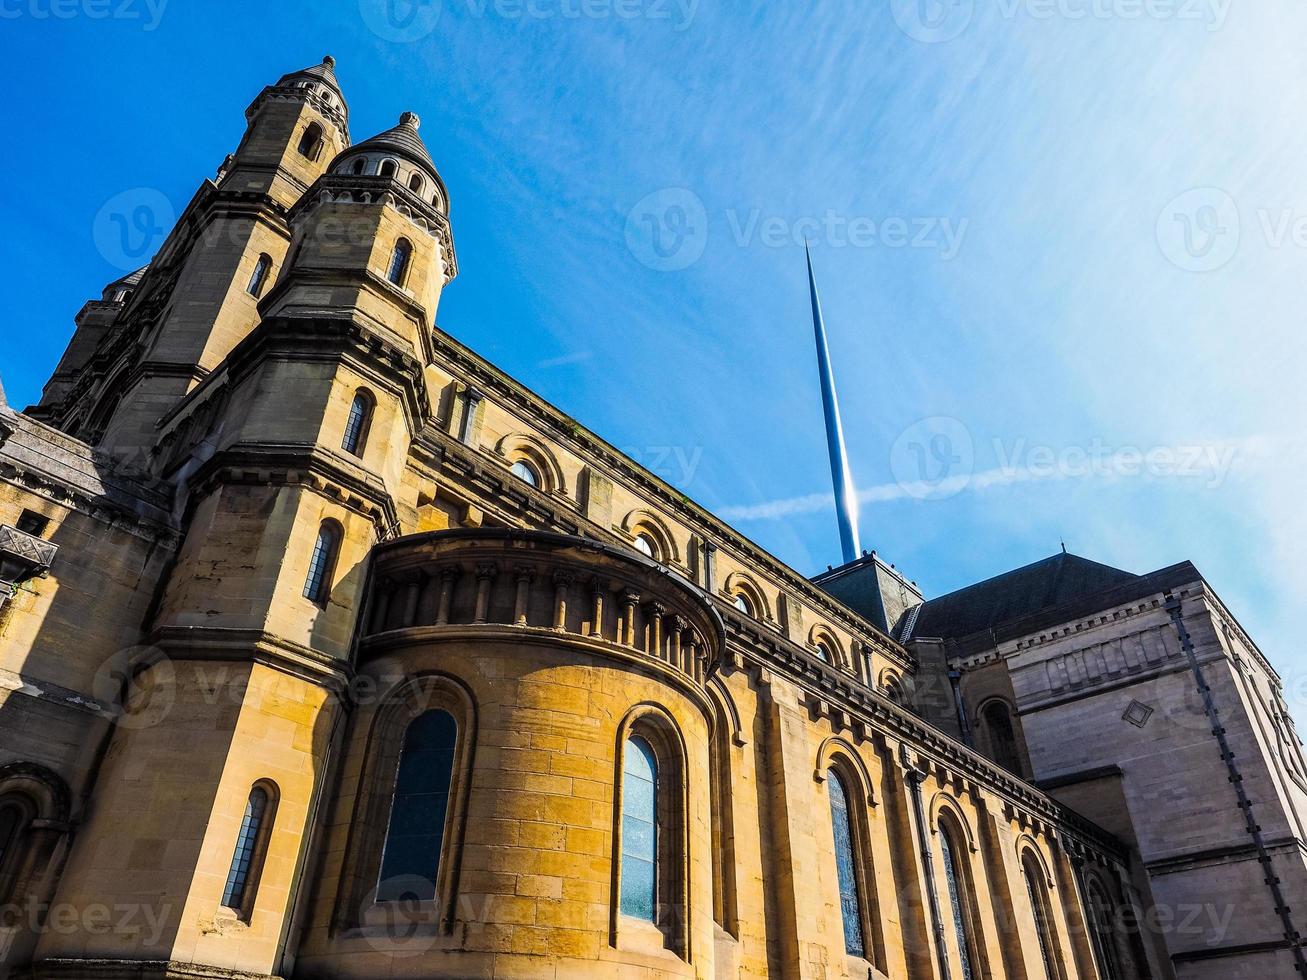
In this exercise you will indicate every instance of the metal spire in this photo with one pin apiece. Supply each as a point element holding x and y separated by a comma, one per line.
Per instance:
<point>846,495</point>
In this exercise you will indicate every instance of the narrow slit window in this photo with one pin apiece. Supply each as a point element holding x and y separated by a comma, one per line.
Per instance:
<point>259,277</point>
<point>639,831</point>
<point>358,423</point>
<point>846,867</point>
<point>398,270</point>
<point>317,585</point>
<point>410,861</point>
<point>238,893</point>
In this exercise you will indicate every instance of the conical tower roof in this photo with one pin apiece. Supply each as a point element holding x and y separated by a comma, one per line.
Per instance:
<point>403,141</point>
<point>324,72</point>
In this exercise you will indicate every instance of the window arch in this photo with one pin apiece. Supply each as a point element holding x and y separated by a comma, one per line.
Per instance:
<point>311,142</point>
<point>826,646</point>
<point>892,687</point>
<point>410,858</point>
<point>251,850</point>
<point>259,277</point>
<point>958,881</point>
<point>645,545</point>
<point>1100,926</point>
<point>649,866</point>
<point>997,718</point>
<point>359,422</point>
<point>399,258</point>
<point>322,566</point>
<point>359,166</point>
<point>846,862</point>
<point>16,814</point>
<point>745,595</point>
<point>387,168</point>
<point>1036,887</point>
<point>643,523</point>
<point>415,183</point>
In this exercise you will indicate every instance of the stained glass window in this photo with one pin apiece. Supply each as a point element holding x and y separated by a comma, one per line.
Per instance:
<point>952,874</point>
<point>247,842</point>
<point>639,830</point>
<point>850,904</point>
<point>411,858</point>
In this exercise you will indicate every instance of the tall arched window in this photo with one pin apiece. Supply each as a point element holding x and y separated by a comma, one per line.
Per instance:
<point>251,849</point>
<point>639,830</point>
<point>398,270</point>
<point>317,584</point>
<point>1039,906</point>
<point>1002,736</point>
<point>846,867</point>
<point>1100,923</point>
<point>358,423</point>
<point>15,815</point>
<point>959,901</point>
<point>410,862</point>
<point>259,277</point>
<point>311,142</point>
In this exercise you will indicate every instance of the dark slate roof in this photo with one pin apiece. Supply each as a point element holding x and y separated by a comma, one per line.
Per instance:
<point>989,605</point>
<point>403,139</point>
<point>325,72</point>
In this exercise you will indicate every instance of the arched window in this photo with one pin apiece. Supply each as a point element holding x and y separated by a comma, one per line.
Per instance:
<point>1002,736</point>
<point>959,901</point>
<point>893,689</point>
<point>251,849</point>
<point>743,604</point>
<point>387,168</point>
<point>645,545</point>
<point>525,472</point>
<point>317,585</point>
<point>415,183</point>
<point>358,423</point>
<point>639,831</point>
<point>410,861</point>
<point>15,815</point>
<point>1100,923</point>
<point>399,262</point>
<point>359,165</point>
<point>824,651</point>
<point>259,278</point>
<point>311,142</point>
<point>846,867</point>
<point>1038,892</point>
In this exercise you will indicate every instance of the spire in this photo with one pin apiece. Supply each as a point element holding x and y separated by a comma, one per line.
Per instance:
<point>846,496</point>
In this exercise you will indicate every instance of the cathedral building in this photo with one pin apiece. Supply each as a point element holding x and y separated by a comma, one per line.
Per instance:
<point>328,650</point>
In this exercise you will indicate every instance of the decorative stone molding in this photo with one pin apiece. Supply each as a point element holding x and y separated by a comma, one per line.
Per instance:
<point>489,579</point>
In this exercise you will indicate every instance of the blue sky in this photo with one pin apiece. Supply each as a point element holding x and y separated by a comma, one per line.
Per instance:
<point>1062,245</point>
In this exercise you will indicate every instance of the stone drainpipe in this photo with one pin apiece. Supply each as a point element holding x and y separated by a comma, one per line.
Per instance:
<point>1292,939</point>
<point>22,556</point>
